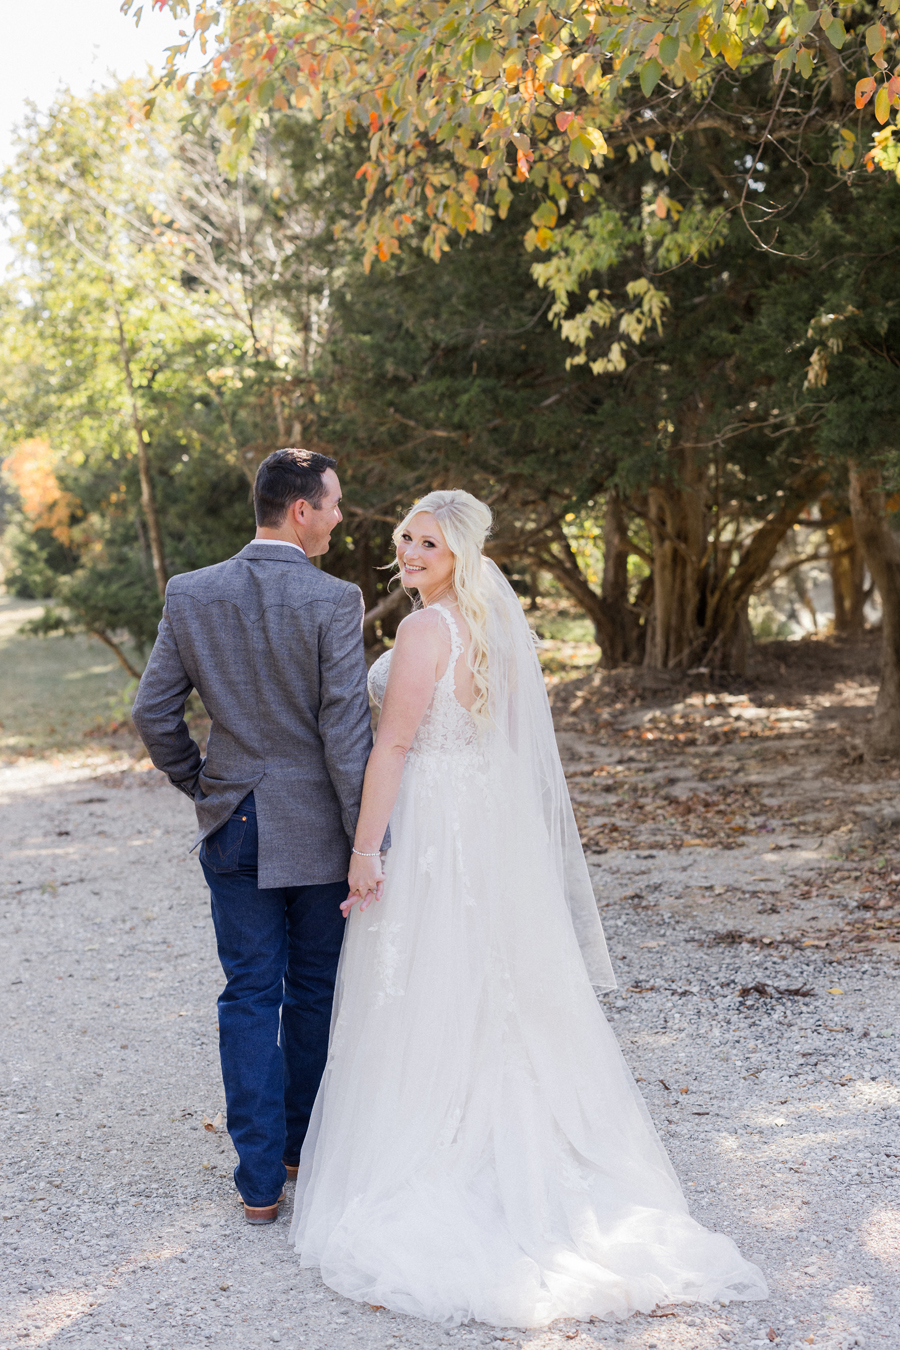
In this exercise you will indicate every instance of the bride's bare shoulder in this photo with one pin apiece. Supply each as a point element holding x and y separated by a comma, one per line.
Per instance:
<point>422,635</point>
<point>422,624</point>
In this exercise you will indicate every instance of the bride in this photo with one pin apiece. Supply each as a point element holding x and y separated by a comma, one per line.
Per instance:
<point>478,1148</point>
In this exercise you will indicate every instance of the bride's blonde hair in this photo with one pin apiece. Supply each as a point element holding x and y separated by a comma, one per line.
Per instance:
<point>465,523</point>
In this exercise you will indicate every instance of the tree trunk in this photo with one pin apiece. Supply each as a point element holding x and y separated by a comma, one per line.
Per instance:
<point>114,647</point>
<point>627,638</point>
<point>676,516</point>
<point>148,498</point>
<point>699,612</point>
<point>848,577</point>
<point>882,554</point>
<point>726,630</point>
<point>616,624</point>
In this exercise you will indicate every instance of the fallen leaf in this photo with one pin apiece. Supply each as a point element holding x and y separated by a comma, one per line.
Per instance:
<point>665,1085</point>
<point>771,1334</point>
<point>684,1090</point>
<point>212,1125</point>
<point>835,991</point>
<point>377,1307</point>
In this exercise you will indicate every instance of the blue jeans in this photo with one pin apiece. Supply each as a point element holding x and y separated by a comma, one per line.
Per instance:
<point>279,950</point>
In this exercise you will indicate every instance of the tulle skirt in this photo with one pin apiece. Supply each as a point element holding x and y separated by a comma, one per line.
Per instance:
<point>478,1147</point>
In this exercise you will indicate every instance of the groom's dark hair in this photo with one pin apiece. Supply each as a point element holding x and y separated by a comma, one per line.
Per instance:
<point>283,478</point>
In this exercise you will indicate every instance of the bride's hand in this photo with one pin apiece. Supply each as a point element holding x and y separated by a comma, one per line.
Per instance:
<point>366,881</point>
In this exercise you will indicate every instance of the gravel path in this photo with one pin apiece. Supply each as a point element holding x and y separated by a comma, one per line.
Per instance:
<point>120,1224</point>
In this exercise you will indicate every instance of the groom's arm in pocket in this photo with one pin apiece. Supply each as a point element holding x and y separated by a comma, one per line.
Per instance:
<point>158,712</point>
<point>345,723</point>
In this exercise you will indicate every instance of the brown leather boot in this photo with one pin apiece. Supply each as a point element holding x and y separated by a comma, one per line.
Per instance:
<point>292,1169</point>
<point>258,1214</point>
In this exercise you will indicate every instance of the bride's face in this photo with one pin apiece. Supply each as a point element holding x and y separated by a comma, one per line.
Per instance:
<point>426,562</point>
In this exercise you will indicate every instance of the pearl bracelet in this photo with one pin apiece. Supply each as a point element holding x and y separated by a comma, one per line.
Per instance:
<point>359,853</point>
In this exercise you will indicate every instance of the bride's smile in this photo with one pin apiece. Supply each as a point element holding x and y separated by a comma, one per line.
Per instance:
<point>425,561</point>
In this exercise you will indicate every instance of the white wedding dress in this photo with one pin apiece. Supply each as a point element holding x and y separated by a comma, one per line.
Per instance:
<point>478,1147</point>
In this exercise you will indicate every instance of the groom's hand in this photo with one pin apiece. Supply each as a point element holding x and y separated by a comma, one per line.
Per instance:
<point>366,881</point>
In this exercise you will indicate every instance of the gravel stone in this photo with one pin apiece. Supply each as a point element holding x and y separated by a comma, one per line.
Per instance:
<point>120,1224</point>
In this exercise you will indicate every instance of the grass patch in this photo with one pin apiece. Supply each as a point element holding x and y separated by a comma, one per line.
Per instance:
<point>56,693</point>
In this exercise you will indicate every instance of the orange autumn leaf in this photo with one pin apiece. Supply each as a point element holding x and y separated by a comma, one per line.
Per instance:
<point>864,91</point>
<point>31,469</point>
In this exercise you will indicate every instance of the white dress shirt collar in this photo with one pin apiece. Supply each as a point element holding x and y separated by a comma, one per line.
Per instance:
<point>284,543</point>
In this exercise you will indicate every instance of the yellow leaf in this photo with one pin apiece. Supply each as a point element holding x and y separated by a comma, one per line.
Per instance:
<point>543,238</point>
<point>835,991</point>
<point>882,105</point>
<point>732,48</point>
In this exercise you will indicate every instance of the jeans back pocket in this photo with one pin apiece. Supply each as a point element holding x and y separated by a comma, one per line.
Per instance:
<point>221,851</point>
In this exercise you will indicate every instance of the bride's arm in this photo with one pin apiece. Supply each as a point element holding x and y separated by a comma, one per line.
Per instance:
<point>420,645</point>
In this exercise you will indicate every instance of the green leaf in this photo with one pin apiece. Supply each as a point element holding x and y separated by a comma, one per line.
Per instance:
<point>836,33</point>
<point>805,62</point>
<point>875,36</point>
<point>483,51</point>
<point>758,20</point>
<point>580,151</point>
<point>546,214</point>
<point>668,49</point>
<point>650,72</point>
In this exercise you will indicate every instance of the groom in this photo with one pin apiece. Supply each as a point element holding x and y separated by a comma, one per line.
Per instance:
<point>274,648</point>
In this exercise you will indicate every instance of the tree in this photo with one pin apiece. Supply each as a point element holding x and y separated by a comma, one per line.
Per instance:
<point>104,362</point>
<point>630,133</point>
<point>71,194</point>
<point>462,102</point>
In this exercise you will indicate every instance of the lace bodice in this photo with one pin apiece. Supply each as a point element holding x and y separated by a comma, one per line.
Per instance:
<point>447,726</point>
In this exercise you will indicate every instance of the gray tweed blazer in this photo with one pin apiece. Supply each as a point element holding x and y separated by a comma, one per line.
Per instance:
<point>274,648</point>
